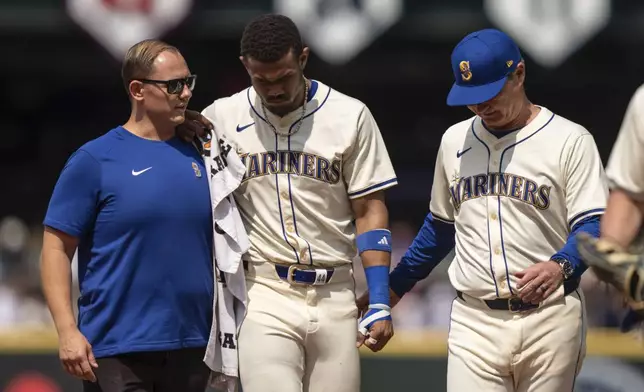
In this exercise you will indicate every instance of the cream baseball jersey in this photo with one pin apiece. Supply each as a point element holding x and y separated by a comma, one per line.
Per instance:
<point>625,167</point>
<point>514,199</point>
<point>295,196</point>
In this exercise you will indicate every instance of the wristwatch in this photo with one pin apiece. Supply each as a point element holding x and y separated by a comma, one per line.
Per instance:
<point>566,267</point>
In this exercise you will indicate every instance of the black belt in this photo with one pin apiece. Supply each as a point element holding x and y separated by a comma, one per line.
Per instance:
<point>516,305</point>
<point>296,275</point>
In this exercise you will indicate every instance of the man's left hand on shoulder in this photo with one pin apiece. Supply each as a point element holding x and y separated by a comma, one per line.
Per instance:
<point>195,125</point>
<point>539,281</point>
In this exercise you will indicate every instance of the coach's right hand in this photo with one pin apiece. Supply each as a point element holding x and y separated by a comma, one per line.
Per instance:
<point>76,355</point>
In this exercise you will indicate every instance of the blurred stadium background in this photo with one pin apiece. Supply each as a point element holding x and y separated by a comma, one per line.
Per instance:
<point>62,87</point>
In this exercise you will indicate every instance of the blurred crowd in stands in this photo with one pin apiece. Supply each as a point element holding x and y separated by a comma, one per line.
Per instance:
<point>427,306</point>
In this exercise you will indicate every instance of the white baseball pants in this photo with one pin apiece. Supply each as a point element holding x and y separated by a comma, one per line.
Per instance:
<point>535,351</point>
<point>299,338</point>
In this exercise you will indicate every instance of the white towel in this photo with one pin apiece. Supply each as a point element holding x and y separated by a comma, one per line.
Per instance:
<point>230,243</point>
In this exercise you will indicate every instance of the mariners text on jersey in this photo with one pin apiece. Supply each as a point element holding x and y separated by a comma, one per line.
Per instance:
<point>499,184</point>
<point>292,162</point>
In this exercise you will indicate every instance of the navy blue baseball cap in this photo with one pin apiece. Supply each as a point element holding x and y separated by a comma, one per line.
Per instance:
<point>481,63</point>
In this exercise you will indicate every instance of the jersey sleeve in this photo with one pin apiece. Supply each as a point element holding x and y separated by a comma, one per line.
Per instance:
<point>625,169</point>
<point>586,186</point>
<point>368,168</point>
<point>73,204</point>
<point>440,204</point>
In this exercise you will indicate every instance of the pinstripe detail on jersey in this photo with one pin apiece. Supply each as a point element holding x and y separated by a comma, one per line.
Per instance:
<point>314,87</point>
<point>290,195</point>
<point>253,108</point>
<point>277,183</point>
<point>505,260</point>
<point>279,207</point>
<point>288,173</point>
<point>489,240</point>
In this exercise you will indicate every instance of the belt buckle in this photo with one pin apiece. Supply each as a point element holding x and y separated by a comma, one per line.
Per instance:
<point>290,276</point>
<point>515,305</point>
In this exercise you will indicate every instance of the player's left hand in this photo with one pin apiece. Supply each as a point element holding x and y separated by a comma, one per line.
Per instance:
<point>195,125</point>
<point>539,281</point>
<point>375,329</point>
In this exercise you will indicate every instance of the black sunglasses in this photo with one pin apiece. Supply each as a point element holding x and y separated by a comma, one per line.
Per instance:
<point>174,86</point>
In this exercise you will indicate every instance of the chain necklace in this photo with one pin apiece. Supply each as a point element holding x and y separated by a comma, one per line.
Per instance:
<point>292,130</point>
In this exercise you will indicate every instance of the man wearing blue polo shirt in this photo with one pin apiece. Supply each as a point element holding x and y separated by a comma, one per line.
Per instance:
<point>135,202</point>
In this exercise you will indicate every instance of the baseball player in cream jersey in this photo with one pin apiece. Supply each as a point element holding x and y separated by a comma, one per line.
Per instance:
<point>621,225</point>
<point>625,170</point>
<point>512,185</point>
<point>312,196</point>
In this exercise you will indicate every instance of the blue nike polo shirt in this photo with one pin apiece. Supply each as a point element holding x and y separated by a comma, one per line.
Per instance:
<point>142,212</point>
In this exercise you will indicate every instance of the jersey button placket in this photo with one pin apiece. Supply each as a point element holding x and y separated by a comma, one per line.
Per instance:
<point>493,213</point>
<point>286,212</point>
<point>496,156</point>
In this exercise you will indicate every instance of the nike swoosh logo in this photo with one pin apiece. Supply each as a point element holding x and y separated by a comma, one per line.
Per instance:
<point>240,128</point>
<point>136,173</point>
<point>460,153</point>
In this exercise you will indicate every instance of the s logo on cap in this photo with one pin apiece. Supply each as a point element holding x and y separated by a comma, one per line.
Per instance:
<point>466,74</point>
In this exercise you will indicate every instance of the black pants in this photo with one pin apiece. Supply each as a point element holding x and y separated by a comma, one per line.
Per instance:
<point>161,371</point>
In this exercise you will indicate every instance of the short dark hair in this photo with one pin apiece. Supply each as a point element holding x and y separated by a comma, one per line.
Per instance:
<point>269,37</point>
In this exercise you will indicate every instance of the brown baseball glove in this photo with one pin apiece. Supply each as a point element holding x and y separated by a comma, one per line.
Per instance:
<point>621,268</point>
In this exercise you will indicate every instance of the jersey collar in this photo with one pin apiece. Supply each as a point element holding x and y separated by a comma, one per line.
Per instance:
<point>537,123</point>
<point>318,93</point>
